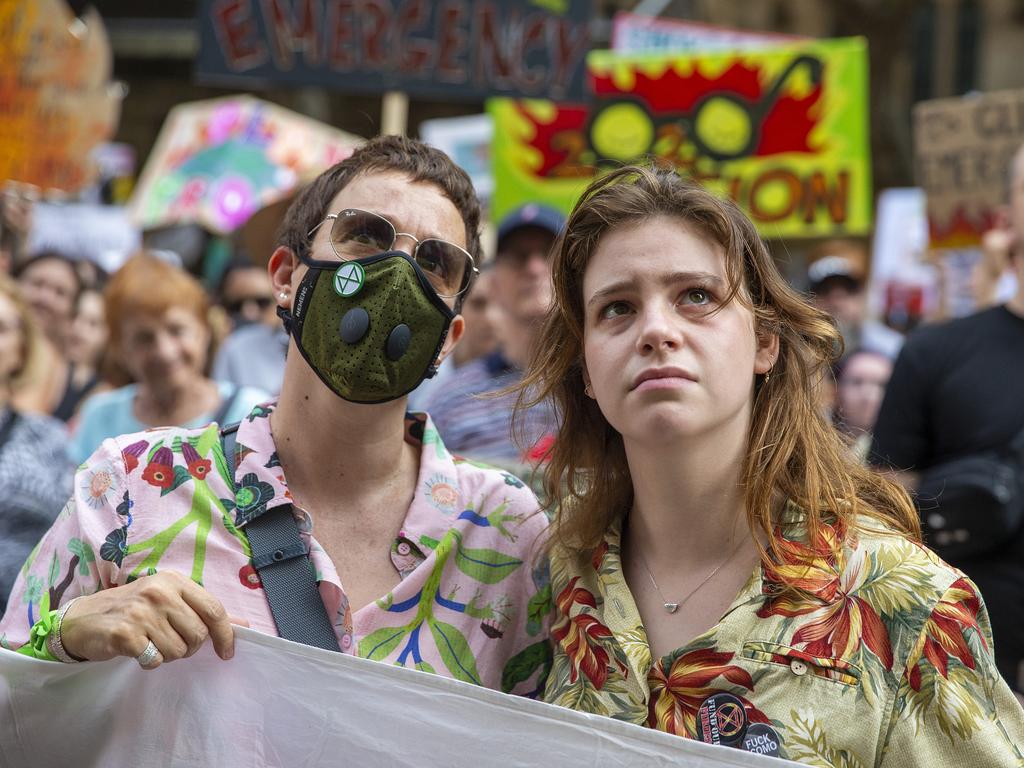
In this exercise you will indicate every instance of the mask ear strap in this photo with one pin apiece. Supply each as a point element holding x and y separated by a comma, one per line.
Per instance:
<point>286,318</point>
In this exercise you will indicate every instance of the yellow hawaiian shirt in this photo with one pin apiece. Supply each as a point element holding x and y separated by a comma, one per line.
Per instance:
<point>887,660</point>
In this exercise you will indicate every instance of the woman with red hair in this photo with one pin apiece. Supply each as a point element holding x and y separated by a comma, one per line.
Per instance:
<point>158,319</point>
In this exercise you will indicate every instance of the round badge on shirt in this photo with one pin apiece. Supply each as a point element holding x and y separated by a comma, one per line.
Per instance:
<point>721,719</point>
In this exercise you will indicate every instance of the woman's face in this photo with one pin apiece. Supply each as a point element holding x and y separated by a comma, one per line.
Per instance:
<point>88,330</point>
<point>165,351</point>
<point>662,366</point>
<point>12,339</point>
<point>49,288</point>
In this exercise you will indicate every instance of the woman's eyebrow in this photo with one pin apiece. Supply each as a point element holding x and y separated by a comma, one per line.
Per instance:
<point>673,277</point>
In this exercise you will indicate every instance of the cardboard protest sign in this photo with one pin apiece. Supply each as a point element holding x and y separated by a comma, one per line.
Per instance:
<point>56,98</point>
<point>962,150</point>
<point>783,132</point>
<point>457,50</point>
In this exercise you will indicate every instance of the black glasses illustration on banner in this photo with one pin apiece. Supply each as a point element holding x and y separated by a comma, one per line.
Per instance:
<point>721,126</point>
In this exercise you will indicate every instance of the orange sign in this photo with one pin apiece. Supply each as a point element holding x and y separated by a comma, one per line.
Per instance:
<point>56,98</point>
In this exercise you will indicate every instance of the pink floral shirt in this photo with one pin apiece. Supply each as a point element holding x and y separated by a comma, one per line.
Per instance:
<point>473,598</point>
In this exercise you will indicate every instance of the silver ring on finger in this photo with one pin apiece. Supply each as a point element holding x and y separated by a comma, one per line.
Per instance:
<point>148,656</point>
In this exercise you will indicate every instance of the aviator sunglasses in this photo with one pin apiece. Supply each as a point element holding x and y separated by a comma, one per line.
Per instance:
<point>356,234</point>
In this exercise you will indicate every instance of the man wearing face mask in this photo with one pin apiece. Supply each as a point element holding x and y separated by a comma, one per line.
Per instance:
<point>420,559</point>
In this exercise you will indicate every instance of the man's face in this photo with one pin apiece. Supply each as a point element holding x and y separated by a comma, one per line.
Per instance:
<point>842,302</point>
<point>521,285</point>
<point>248,296</point>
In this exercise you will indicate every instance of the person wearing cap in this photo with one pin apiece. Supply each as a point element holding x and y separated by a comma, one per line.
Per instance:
<point>837,288</point>
<point>253,353</point>
<point>400,552</point>
<point>470,422</point>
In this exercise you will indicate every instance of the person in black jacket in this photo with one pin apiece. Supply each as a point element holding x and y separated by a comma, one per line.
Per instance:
<point>955,392</point>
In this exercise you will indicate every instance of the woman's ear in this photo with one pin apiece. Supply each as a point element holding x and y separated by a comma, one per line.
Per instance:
<point>588,390</point>
<point>767,351</point>
<point>285,271</point>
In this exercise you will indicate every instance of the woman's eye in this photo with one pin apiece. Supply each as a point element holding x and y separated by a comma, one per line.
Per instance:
<point>697,296</point>
<point>615,309</point>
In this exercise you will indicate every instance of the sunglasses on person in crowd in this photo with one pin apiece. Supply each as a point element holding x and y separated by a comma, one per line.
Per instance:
<point>263,303</point>
<point>356,234</point>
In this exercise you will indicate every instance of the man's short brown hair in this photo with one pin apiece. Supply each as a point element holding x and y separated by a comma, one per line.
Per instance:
<point>418,161</point>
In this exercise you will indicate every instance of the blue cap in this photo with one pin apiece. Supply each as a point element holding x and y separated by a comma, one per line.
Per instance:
<point>531,215</point>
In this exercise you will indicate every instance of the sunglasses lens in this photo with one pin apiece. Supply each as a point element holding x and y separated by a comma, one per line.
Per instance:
<point>357,234</point>
<point>445,265</point>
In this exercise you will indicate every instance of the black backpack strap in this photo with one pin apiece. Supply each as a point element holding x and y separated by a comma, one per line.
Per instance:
<point>280,558</point>
<point>221,414</point>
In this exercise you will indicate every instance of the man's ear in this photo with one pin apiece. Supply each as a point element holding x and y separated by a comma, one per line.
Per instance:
<point>284,270</point>
<point>455,331</point>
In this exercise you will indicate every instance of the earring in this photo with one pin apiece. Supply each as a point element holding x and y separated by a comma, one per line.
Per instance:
<point>283,295</point>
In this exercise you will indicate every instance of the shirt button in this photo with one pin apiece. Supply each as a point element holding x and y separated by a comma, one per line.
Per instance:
<point>798,667</point>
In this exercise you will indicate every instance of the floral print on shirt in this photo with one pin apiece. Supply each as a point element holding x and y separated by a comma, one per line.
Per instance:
<point>472,599</point>
<point>884,658</point>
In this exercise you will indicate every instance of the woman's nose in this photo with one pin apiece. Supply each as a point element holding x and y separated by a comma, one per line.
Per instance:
<point>660,328</point>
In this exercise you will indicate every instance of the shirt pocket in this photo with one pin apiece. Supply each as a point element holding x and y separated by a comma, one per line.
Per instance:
<point>803,664</point>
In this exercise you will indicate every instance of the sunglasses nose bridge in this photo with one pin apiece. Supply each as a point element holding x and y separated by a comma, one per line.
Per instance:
<point>411,248</point>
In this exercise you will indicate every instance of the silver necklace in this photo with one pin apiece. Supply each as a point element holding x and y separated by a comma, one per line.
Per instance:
<point>673,607</point>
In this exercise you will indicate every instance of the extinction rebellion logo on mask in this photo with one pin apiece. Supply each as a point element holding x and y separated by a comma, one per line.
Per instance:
<point>348,279</point>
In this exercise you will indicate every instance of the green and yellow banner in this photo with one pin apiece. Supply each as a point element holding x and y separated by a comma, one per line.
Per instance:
<point>782,131</point>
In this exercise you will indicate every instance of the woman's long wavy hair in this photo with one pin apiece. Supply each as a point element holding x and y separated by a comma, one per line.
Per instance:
<point>794,453</point>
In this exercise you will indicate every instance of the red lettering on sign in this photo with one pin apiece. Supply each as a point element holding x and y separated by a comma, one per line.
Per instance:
<point>533,37</point>
<point>340,23</point>
<point>417,53</point>
<point>236,32</point>
<point>293,25</point>
<point>451,42</point>
<point>572,44</point>
<point>493,67</point>
<point>376,23</point>
<point>834,200</point>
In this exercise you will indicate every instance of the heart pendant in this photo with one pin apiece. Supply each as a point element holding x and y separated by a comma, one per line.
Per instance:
<point>671,607</point>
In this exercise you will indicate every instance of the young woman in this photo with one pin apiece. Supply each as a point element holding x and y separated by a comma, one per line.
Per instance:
<point>722,569</point>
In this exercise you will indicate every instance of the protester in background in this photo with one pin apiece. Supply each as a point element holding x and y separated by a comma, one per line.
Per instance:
<point>87,345</point>
<point>159,331</point>
<point>955,393</point>
<point>471,423</point>
<point>35,474</point>
<point>15,223</point>
<point>836,282</point>
<point>861,379</point>
<point>253,353</point>
<point>422,559</point>
<point>479,339</point>
<point>723,569</point>
<point>246,293</point>
<point>50,284</point>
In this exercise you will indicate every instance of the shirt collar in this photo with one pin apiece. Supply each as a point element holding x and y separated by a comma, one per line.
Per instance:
<point>437,502</point>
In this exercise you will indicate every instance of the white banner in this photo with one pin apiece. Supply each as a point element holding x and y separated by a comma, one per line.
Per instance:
<point>282,704</point>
